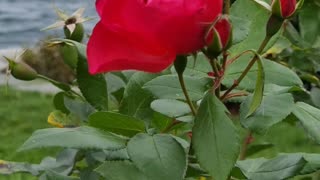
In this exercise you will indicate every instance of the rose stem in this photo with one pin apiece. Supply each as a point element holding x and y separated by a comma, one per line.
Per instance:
<point>245,72</point>
<point>185,92</point>
<point>215,69</point>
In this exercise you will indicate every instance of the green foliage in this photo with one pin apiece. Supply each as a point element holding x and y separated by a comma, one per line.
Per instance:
<point>258,92</point>
<point>82,138</point>
<point>170,107</point>
<point>167,87</point>
<point>273,109</point>
<point>93,88</point>
<point>115,170</point>
<point>117,123</point>
<point>162,158</point>
<point>274,74</point>
<point>215,138</point>
<point>309,118</point>
<point>281,167</point>
<point>136,125</point>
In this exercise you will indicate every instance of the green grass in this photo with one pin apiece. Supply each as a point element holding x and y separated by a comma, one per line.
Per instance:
<point>21,113</point>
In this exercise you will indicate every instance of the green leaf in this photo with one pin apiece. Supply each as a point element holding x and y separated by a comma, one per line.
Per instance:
<point>82,138</point>
<point>215,138</point>
<point>162,156</point>
<point>81,48</point>
<point>168,87</point>
<point>258,16</point>
<point>199,67</point>
<point>275,73</point>
<point>258,91</point>
<point>70,55</point>
<point>273,109</point>
<point>309,118</point>
<point>136,100</point>
<point>93,87</point>
<point>58,102</point>
<point>309,19</point>
<point>78,107</point>
<point>315,96</point>
<point>62,164</point>
<point>116,123</point>
<point>240,29</point>
<point>7,168</point>
<point>160,121</point>
<point>60,119</point>
<point>281,167</point>
<point>114,83</point>
<point>313,163</point>
<point>194,170</point>
<point>120,170</point>
<point>170,107</point>
<point>256,148</point>
<point>51,175</point>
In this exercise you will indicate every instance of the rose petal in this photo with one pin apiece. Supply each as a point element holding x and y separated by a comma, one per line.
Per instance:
<point>288,7</point>
<point>223,27</point>
<point>110,50</point>
<point>180,24</point>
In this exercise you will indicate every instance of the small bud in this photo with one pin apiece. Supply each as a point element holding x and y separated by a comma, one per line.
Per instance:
<point>73,30</point>
<point>219,36</point>
<point>283,8</point>
<point>21,71</point>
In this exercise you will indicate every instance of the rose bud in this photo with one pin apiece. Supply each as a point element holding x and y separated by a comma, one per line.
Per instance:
<point>21,71</point>
<point>219,37</point>
<point>147,35</point>
<point>72,25</point>
<point>283,8</point>
<point>73,30</point>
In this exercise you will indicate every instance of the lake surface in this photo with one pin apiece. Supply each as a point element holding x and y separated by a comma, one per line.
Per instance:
<point>21,20</point>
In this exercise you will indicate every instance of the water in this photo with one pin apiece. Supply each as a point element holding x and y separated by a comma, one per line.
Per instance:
<point>21,20</point>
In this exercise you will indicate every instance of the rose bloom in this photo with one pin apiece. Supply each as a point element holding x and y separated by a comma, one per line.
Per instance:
<point>147,35</point>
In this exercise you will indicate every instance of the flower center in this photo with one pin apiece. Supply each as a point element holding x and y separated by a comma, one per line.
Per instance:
<point>71,20</point>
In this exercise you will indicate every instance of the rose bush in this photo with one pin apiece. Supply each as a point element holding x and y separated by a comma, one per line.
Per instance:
<point>148,34</point>
<point>176,125</point>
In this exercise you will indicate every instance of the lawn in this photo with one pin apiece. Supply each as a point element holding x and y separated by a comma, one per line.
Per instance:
<point>21,113</point>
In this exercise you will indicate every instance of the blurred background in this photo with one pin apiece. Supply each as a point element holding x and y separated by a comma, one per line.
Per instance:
<point>21,20</point>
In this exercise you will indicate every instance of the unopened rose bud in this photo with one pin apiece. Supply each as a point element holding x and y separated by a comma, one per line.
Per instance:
<point>219,37</point>
<point>283,8</point>
<point>21,70</point>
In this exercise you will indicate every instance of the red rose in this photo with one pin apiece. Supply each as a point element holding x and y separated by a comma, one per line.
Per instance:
<point>284,8</point>
<point>147,35</point>
<point>219,36</point>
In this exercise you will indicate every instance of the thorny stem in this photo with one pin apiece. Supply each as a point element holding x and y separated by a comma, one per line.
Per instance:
<point>185,92</point>
<point>56,82</point>
<point>224,60</point>
<point>245,72</point>
<point>238,94</point>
